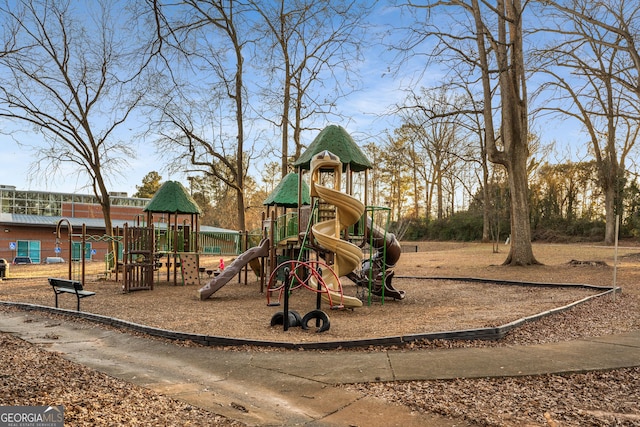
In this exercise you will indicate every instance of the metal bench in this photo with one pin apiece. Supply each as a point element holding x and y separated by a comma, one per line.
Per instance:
<point>61,286</point>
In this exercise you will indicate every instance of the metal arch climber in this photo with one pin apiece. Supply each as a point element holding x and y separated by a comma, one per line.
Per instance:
<point>303,274</point>
<point>309,275</point>
<point>73,273</point>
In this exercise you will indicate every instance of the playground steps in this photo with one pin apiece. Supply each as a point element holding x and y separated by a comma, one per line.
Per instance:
<point>326,211</point>
<point>104,275</point>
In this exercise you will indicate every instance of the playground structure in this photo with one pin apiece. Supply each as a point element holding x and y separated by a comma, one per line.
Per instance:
<point>79,250</point>
<point>380,249</point>
<point>224,276</point>
<point>313,247</point>
<point>330,235</point>
<point>176,231</point>
<point>347,257</point>
<point>166,252</point>
<point>130,244</point>
<point>332,231</point>
<point>167,242</point>
<point>136,254</point>
<point>384,252</point>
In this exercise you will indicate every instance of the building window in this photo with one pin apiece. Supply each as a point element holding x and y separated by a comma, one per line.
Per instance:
<point>51,204</point>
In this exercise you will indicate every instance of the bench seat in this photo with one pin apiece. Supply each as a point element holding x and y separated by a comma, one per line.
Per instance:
<point>61,286</point>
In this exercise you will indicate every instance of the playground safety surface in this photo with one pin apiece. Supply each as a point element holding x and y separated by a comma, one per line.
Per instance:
<point>241,311</point>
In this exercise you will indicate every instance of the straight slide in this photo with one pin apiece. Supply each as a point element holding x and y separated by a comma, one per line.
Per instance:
<point>233,269</point>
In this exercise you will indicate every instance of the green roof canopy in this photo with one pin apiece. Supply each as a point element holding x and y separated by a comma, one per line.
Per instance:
<point>335,139</point>
<point>286,193</point>
<point>172,197</point>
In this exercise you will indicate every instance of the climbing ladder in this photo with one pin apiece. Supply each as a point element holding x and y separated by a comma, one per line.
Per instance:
<point>138,258</point>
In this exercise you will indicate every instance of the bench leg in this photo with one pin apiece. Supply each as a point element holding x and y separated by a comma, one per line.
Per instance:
<point>56,300</point>
<point>78,309</point>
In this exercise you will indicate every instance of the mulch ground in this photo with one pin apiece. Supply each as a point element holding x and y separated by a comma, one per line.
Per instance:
<point>431,305</point>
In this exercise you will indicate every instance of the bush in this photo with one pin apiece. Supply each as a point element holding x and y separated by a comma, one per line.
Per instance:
<point>462,226</point>
<point>467,226</point>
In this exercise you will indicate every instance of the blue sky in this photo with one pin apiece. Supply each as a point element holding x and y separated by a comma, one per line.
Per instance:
<point>366,110</point>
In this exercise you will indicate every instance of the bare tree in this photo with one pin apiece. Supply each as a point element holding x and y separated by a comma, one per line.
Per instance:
<point>270,175</point>
<point>419,169</point>
<point>433,116</point>
<point>375,152</point>
<point>453,106</point>
<point>210,36</point>
<point>310,44</point>
<point>476,151</point>
<point>8,38</point>
<point>617,24</point>
<point>594,63</point>
<point>74,83</point>
<point>507,48</point>
<point>395,173</point>
<point>467,107</point>
<point>602,107</point>
<point>488,35</point>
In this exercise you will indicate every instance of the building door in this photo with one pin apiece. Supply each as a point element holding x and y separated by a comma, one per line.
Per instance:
<point>30,248</point>
<point>75,248</point>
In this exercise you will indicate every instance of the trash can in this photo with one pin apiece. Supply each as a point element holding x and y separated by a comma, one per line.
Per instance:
<point>4,268</point>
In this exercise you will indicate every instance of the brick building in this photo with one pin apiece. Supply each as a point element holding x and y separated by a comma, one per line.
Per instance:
<point>28,222</point>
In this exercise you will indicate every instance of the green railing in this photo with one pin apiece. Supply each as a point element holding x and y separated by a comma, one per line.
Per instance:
<point>286,226</point>
<point>220,243</point>
<point>109,261</point>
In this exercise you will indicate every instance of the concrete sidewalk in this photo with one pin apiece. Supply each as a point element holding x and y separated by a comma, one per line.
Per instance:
<point>297,387</point>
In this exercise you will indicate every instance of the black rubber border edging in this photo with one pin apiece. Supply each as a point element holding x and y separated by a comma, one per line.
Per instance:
<point>494,333</point>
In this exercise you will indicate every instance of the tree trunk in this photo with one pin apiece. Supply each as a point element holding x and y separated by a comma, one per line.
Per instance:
<point>416,186</point>
<point>486,215</point>
<point>440,197</point>
<point>521,251</point>
<point>101,192</point>
<point>508,51</point>
<point>610,217</point>
<point>486,197</point>
<point>285,128</point>
<point>241,215</point>
<point>239,100</point>
<point>286,104</point>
